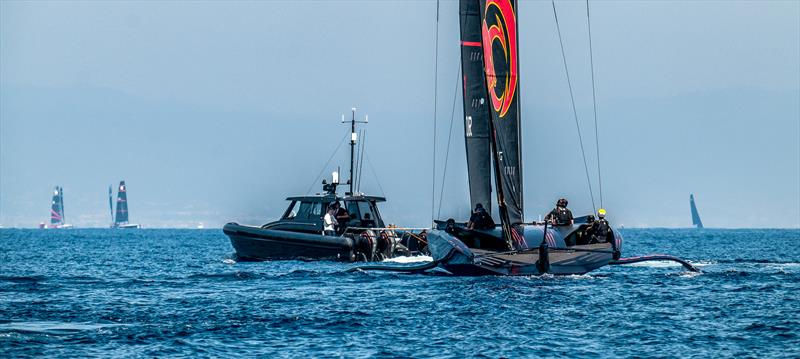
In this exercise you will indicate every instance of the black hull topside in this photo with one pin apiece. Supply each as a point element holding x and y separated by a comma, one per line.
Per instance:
<point>456,257</point>
<point>256,244</point>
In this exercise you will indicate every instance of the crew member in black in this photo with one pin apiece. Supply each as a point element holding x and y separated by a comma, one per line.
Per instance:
<point>600,228</point>
<point>480,219</point>
<point>342,217</point>
<point>560,216</point>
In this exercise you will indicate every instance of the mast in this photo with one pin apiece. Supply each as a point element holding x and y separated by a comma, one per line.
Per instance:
<point>476,113</point>
<point>353,138</point>
<point>63,212</point>
<point>500,58</point>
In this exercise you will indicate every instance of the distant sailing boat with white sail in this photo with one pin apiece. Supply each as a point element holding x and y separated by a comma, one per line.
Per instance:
<point>120,220</point>
<point>57,218</point>
<point>696,222</point>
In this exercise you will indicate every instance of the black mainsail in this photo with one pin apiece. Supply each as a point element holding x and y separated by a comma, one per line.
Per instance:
<point>499,40</point>
<point>121,216</point>
<point>57,208</point>
<point>695,216</point>
<point>476,111</point>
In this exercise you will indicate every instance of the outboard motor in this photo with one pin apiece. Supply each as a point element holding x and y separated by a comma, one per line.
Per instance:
<point>385,246</point>
<point>365,246</point>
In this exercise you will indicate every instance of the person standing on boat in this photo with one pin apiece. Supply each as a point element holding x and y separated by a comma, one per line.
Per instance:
<point>480,219</point>
<point>342,217</point>
<point>341,213</point>
<point>561,215</point>
<point>600,228</point>
<point>330,221</point>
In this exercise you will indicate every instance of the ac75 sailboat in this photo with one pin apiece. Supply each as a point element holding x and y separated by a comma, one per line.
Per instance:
<point>490,68</point>
<point>120,220</point>
<point>57,217</point>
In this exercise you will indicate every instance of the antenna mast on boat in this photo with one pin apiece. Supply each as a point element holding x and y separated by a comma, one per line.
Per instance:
<point>353,138</point>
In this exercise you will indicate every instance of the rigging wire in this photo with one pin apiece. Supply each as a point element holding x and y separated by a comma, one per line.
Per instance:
<point>594,106</point>
<point>374,174</point>
<point>361,159</point>
<point>328,162</point>
<point>574,111</point>
<point>357,153</point>
<point>435,93</point>
<point>449,136</point>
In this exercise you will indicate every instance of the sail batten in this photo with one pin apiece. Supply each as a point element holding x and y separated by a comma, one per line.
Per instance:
<point>476,111</point>
<point>500,58</point>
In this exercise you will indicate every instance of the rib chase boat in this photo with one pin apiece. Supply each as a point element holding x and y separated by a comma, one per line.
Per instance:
<point>362,234</point>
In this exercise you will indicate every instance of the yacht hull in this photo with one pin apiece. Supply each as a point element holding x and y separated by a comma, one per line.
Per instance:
<point>455,257</point>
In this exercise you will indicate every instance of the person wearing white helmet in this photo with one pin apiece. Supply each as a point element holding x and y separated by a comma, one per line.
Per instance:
<point>600,229</point>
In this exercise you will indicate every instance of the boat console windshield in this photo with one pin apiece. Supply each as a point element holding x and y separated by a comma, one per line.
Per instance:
<point>305,213</point>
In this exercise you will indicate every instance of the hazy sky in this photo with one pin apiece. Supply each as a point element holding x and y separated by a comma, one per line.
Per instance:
<point>216,111</point>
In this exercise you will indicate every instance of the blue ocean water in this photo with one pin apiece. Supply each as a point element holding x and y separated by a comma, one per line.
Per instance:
<point>158,293</point>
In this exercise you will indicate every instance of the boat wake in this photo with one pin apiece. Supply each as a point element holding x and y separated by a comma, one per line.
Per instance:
<point>667,264</point>
<point>53,328</point>
<point>407,259</point>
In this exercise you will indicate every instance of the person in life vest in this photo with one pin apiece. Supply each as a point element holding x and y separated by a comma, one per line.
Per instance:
<point>480,219</point>
<point>600,229</point>
<point>560,216</point>
<point>329,221</point>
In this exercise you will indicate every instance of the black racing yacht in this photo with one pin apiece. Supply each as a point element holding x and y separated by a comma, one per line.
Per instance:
<point>489,63</point>
<point>361,234</point>
<point>120,218</point>
<point>57,217</point>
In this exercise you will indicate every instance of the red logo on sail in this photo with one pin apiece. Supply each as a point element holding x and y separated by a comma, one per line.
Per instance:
<point>503,29</point>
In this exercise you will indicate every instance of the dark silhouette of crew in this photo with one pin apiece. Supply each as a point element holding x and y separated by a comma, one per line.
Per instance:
<point>342,217</point>
<point>480,219</point>
<point>561,215</point>
<point>600,230</point>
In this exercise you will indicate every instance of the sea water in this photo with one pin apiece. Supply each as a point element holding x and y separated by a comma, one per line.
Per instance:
<point>173,293</point>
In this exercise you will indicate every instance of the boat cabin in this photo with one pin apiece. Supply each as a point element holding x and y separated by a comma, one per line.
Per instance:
<point>305,213</point>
